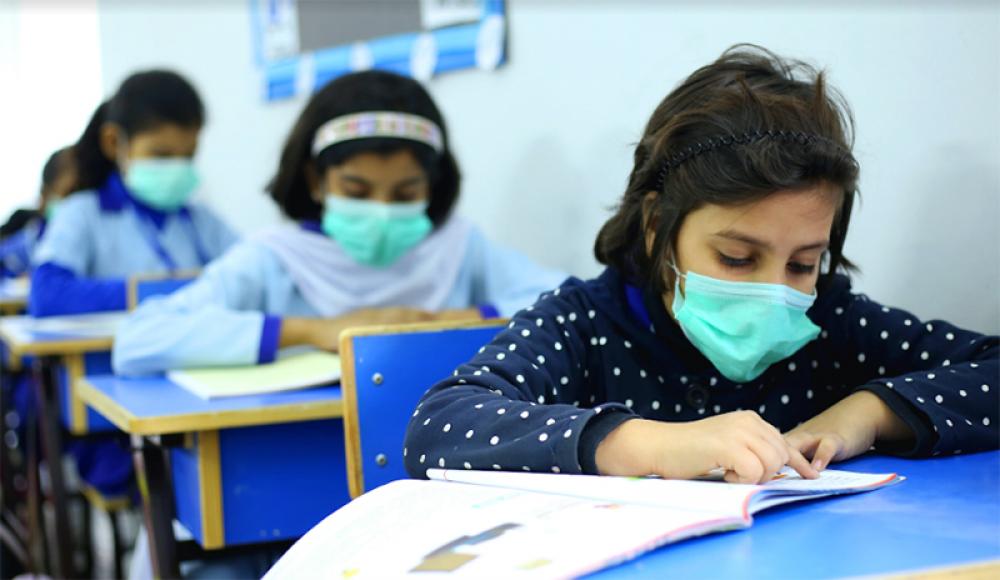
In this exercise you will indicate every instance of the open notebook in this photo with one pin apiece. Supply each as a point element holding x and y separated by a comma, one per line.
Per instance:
<point>293,369</point>
<point>475,524</point>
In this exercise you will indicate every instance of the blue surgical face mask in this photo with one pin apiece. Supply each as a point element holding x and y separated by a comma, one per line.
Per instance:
<point>373,233</point>
<point>163,184</point>
<point>742,327</point>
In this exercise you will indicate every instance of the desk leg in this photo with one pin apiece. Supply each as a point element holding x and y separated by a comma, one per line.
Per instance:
<point>153,473</point>
<point>48,422</point>
<point>17,458</point>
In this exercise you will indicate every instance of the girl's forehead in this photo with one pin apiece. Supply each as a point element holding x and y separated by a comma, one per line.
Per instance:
<point>783,214</point>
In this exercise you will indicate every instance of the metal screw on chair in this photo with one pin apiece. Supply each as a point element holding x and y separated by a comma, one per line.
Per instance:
<point>377,378</point>
<point>381,459</point>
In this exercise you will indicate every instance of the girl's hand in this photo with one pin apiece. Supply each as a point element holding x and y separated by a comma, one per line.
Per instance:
<point>846,429</point>
<point>749,449</point>
<point>459,314</point>
<point>324,333</point>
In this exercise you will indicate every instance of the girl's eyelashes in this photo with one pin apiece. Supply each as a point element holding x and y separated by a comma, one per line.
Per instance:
<point>404,196</point>
<point>801,269</point>
<point>795,268</point>
<point>731,262</point>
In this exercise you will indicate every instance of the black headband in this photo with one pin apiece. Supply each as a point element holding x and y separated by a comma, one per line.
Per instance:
<point>713,143</point>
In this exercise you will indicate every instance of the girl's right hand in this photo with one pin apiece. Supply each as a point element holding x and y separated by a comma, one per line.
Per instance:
<point>746,447</point>
<point>324,333</point>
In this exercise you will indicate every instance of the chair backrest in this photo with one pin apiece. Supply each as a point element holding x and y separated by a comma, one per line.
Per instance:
<point>145,286</point>
<point>385,371</point>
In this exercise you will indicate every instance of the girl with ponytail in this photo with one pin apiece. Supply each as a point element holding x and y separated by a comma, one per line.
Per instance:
<point>131,212</point>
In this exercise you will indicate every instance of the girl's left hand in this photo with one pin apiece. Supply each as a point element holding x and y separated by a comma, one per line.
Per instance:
<point>848,428</point>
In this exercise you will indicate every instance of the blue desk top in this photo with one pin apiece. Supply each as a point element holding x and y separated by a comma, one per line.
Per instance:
<point>156,405</point>
<point>59,335</point>
<point>946,513</point>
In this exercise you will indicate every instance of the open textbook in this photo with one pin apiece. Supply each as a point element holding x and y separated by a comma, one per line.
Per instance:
<point>475,524</point>
<point>294,368</point>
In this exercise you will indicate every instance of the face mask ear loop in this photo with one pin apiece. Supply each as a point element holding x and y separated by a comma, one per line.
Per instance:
<point>677,284</point>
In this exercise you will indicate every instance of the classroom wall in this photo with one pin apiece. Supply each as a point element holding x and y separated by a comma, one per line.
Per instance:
<point>49,77</point>
<point>545,141</point>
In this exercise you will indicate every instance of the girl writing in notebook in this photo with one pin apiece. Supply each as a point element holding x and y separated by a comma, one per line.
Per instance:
<point>131,212</point>
<point>369,182</point>
<point>724,332</point>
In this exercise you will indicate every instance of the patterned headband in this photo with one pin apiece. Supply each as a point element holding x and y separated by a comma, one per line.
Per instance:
<point>713,143</point>
<point>372,124</point>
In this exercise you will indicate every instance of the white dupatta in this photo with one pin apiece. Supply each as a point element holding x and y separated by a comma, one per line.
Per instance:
<point>333,283</point>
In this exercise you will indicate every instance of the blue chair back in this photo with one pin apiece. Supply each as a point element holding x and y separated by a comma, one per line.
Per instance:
<point>385,371</point>
<point>142,287</point>
<point>77,417</point>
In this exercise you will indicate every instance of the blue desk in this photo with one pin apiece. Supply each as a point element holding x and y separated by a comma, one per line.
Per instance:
<point>233,471</point>
<point>947,513</point>
<point>13,296</point>
<point>70,346</point>
<point>64,348</point>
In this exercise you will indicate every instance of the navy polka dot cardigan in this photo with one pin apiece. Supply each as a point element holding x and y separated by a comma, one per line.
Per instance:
<point>590,355</point>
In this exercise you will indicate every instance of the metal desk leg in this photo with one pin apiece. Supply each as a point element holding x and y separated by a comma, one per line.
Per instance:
<point>152,469</point>
<point>37,543</point>
<point>51,432</point>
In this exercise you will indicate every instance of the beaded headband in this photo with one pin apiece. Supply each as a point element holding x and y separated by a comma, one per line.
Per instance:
<point>372,124</point>
<point>713,143</point>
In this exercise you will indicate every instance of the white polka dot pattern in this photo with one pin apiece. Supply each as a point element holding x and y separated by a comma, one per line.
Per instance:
<point>517,404</point>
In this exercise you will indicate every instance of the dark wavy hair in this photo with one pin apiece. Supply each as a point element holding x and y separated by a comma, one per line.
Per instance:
<point>735,131</point>
<point>356,93</point>
<point>145,100</point>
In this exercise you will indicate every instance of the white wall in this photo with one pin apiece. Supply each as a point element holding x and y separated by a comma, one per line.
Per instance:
<point>49,77</point>
<point>545,142</point>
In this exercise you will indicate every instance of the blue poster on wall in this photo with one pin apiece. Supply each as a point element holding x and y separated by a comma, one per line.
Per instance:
<point>301,45</point>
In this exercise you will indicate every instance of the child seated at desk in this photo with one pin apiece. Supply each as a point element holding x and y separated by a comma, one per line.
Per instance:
<point>724,332</point>
<point>21,233</point>
<point>370,182</point>
<point>131,212</point>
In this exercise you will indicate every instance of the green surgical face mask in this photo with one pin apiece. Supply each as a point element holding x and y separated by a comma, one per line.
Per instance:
<point>742,327</point>
<point>163,184</point>
<point>373,233</point>
<point>50,209</point>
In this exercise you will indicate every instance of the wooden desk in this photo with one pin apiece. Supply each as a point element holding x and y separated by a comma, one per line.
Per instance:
<point>233,471</point>
<point>64,348</point>
<point>943,521</point>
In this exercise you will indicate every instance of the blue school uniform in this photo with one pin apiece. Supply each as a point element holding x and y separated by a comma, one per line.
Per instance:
<point>96,240</point>
<point>99,238</point>
<point>16,249</point>
<point>591,355</point>
<point>232,314</point>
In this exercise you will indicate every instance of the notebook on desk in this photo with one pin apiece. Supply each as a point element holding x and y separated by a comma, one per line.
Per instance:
<point>15,289</point>
<point>92,325</point>
<point>293,369</point>
<point>473,524</point>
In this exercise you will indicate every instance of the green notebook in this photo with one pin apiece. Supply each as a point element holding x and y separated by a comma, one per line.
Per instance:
<point>293,369</point>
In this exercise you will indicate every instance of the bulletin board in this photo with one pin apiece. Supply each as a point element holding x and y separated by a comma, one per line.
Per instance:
<point>301,45</point>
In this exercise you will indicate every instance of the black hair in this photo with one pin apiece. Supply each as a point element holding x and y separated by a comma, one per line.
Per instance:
<point>356,93</point>
<point>54,166</point>
<point>735,131</point>
<point>144,101</point>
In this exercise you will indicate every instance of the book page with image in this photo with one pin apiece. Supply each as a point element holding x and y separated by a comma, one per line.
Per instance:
<point>432,529</point>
